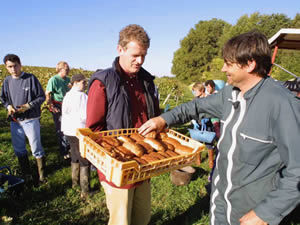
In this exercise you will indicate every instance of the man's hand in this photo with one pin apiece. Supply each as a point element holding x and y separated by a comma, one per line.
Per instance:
<point>10,110</point>
<point>23,108</point>
<point>155,124</point>
<point>251,219</point>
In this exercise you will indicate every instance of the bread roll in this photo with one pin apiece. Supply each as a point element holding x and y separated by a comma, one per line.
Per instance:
<point>151,134</point>
<point>140,160</point>
<point>149,158</point>
<point>161,135</point>
<point>157,155</point>
<point>171,141</point>
<point>156,144</point>
<point>136,149</point>
<point>137,137</point>
<point>125,139</point>
<point>146,146</point>
<point>125,152</point>
<point>164,154</point>
<point>112,141</point>
<point>170,146</point>
<point>171,153</point>
<point>183,150</point>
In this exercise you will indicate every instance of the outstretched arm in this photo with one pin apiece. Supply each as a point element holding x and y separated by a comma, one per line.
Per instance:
<point>155,124</point>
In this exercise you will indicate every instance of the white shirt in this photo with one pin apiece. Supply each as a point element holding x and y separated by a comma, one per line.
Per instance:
<point>73,111</point>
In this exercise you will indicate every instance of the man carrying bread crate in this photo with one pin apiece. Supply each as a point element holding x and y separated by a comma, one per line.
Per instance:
<point>124,96</point>
<point>257,174</point>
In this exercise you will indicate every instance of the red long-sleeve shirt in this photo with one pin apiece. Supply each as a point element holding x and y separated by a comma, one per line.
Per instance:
<point>97,109</point>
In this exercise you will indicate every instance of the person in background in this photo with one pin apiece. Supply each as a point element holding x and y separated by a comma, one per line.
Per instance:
<point>124,96</point>
<point>210,87</point>
<point>257,176</point>
<point>22,95</point>
<point>73,117</point>
<point>198,90</point>
<point>57,87</point>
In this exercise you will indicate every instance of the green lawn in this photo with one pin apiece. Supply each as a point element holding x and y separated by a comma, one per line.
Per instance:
<point>56,203</point>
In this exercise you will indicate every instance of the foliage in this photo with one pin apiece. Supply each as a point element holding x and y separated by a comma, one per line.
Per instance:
<point>198,58</point>
<point>197,49</point>
<point>43,73</point>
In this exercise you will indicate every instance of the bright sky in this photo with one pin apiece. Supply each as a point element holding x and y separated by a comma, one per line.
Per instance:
<point>85,32</point>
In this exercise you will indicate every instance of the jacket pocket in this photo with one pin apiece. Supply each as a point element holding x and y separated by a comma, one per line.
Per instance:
<point>254,148</point>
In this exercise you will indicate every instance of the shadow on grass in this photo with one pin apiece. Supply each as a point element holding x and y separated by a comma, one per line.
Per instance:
<point>190,216</point>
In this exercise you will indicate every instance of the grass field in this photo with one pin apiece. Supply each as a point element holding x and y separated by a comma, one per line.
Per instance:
<point>56,203</point>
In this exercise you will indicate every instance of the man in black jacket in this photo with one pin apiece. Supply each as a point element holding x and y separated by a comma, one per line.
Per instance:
<point>22,96</point>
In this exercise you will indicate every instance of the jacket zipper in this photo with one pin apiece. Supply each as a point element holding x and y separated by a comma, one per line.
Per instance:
<point>255,139</point>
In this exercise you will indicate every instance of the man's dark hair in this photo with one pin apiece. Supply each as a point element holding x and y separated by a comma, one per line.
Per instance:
<point>12,58</point>
<point>210,83</point>
<point>251,46</point>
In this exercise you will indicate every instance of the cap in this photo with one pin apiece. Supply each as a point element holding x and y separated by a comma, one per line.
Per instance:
<point>77,77</point>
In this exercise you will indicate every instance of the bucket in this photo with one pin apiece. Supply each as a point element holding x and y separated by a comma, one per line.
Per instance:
<point>182,176</point>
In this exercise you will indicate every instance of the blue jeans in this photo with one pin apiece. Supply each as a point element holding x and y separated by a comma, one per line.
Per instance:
<point>31,129</point>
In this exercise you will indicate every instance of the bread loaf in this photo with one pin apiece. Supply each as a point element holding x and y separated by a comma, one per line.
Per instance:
<point>125,152</point>
<point>137,137</point>
<point>112,141</point>
<point>161,135</point>
<point>171,141</point>
<point>136,149</point>
<point>146,146</point>
<point>140,160</point>
<point>183,150</point>
<point>151,134</point>
<point>149,158</point>
<point>170,146</point>
<point>171,153</point>
<point>156,155</point>
<point>156,144</point>
<point>125,139</point>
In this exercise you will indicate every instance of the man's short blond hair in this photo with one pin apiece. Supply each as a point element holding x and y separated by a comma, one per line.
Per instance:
<point>133,32</point>
<point>61,65</point>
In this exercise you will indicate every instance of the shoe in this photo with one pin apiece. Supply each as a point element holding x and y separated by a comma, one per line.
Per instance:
<point>67,156</point>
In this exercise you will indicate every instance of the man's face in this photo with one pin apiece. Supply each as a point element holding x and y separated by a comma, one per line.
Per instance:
<point>132,57</point>
<point>14,68</point>
<point>64,71</point>
<point>235,73</point>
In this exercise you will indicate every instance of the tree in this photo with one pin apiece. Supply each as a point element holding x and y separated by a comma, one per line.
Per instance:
<point>197,50</point>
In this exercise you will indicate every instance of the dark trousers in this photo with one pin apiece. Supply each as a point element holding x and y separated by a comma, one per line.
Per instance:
<point>64,145</point>
<point>75,154</point>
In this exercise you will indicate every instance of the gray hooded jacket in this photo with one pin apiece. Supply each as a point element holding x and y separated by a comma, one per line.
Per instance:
<point>258,166</point>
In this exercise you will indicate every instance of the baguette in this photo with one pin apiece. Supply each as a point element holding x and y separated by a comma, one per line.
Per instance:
<point>170,146</point>
<point>146,146</point>
<point>161,135</point>
<point>125,139</point>
<point>171,141</point>
<point>149,158</point>
<point>136,149</point>
<point>140,161</point>
<point>112,141</point>
<point>151,134</point>
<point>156,144</point>
<point>164,154</point>
<point>137,137</point>
<point>157,155</point>
<point>171,153</point>
<point>183,150</point>
<point>124,152</point>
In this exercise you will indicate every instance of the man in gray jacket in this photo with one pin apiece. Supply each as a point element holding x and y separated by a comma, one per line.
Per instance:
<point>257,175</point>
<point>22,96</point>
